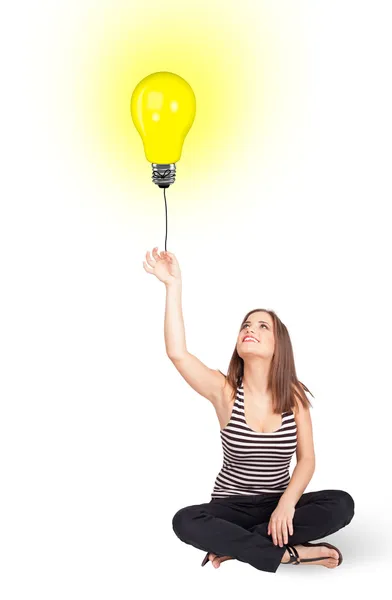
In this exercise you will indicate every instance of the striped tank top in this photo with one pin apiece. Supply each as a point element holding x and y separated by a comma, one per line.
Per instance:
<point>253,462</point>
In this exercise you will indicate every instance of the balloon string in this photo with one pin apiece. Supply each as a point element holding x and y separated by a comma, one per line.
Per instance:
<point>162,176</point>
<point>164,195</point>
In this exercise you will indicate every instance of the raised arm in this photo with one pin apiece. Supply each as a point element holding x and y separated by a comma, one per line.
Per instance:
<point>205,381</point>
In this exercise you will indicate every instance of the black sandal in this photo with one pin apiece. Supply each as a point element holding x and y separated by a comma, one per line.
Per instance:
<point>294,556</point>
<point>206,559</point>
<point>296,560</point>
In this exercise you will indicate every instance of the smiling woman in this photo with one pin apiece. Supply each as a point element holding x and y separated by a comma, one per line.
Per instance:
<point>274,346</point>
<point>256,508</point>
<point>258,412</point>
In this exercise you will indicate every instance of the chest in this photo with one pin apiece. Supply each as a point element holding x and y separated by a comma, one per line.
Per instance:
<point>258,419</point>
<point>261,420</point>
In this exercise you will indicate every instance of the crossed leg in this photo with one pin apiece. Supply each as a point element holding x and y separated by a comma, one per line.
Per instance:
<point>317,514</point>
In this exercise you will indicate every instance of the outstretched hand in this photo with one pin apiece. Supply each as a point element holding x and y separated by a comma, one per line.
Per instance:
<point>165,266</point>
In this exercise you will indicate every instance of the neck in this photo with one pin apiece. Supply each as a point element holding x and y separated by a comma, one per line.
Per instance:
<point>255,378</point>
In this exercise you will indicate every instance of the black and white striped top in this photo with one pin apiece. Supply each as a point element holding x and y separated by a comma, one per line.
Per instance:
<point>254,462</point>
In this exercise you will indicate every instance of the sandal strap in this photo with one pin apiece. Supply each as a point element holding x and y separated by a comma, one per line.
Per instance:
<point>313,559</point>
<point>296,560</point>
<point>294,556</point>
<point>327,545</point>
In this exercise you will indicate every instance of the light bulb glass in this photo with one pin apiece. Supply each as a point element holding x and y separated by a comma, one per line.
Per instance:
<point>163,108</point>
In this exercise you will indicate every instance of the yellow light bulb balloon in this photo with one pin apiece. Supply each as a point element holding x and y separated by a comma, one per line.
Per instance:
<point>163,108</point>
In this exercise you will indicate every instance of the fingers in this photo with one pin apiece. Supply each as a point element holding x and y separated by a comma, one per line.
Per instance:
<point>156,255</point>
<point>291,528</point>
<point>172,257</point>
<point>149,260</point>
<point>169,256</point>
<point>164,255</point>
<point>146,268</point>
<point>284,536</point>
<point>273,531</point>
<point>279,532</point>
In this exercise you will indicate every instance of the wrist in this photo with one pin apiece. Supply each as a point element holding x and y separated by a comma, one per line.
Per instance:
<point>287,501</point>
<point>173,283</point>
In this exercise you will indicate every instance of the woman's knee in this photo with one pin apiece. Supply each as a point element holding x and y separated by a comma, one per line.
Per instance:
<point>181,521</point>
<point>347,505</point>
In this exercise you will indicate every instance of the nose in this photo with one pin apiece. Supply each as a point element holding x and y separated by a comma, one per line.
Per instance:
<point>249,332</point>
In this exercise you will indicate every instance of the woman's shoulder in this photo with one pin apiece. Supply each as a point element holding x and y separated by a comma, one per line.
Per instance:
<point>299,392</point>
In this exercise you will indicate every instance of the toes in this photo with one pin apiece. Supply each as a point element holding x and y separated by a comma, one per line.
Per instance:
<point>217,560</point>
<point>332,563</point>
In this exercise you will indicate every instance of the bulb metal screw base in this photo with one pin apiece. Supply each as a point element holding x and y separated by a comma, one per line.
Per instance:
<point>163,175</point>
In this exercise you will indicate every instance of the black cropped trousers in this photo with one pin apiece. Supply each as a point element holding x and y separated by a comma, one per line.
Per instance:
<point>237,525</point>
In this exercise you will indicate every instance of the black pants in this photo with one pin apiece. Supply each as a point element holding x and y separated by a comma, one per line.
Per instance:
<point>237,525</point>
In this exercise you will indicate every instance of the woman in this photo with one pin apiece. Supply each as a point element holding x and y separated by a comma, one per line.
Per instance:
<point>257,513</point>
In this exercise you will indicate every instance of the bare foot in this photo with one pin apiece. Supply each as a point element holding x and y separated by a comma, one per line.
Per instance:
<point>217,560</point>
<point>330,557</point>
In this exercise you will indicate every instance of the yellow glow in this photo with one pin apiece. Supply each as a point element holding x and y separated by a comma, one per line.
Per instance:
<point>163,108</point>
<point>246,71</point>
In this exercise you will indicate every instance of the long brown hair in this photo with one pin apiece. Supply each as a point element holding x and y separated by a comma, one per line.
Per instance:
<point>282,378</point>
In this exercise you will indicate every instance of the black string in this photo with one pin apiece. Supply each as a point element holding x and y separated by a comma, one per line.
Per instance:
<point>163,175</point>
<point>164,195</point>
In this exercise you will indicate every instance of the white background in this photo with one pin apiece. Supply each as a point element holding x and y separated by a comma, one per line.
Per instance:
<point>101,440</point>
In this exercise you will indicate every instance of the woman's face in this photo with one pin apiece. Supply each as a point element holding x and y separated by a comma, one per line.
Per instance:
<point>258,325</point>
